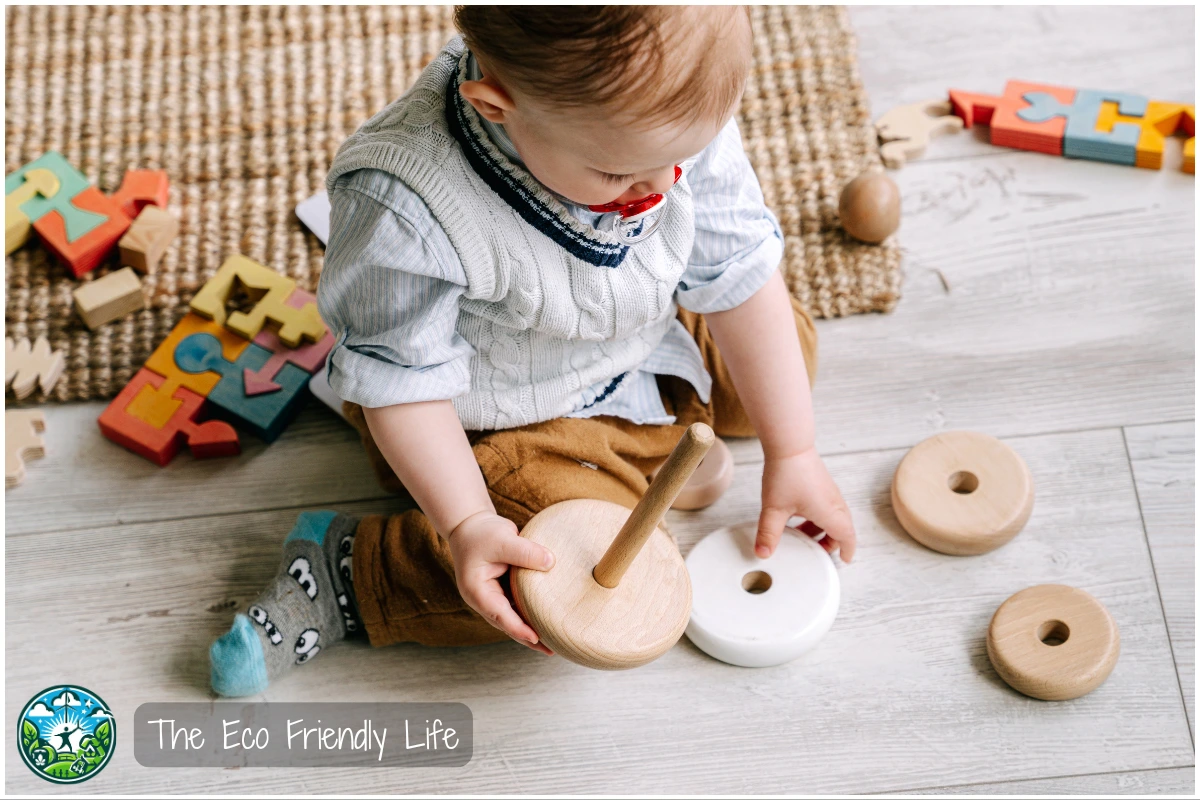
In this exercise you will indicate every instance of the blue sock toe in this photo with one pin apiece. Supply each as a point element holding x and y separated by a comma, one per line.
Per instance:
<point>238,666</point>
<point>312,525</point>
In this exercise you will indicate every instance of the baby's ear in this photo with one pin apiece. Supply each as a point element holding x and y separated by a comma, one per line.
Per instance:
<point>488,98</point>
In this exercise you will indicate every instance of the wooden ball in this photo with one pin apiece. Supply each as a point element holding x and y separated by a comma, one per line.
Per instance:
<point>962,493</point>
<point>1053,642</point>
<point>870,207</point>
<point>626,626</point>
<point>710,480</point>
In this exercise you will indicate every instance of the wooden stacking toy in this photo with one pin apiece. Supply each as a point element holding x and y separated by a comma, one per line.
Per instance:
<point>1053,642</point>
<point>754,612</point>
<point>710,480</point>
<point>618,595</point>
<point>869,207</point>
<point>962,493</point>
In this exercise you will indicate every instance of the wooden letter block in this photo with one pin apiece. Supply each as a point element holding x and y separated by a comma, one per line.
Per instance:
<point>269,291</point>
<point>86,252</point>
<point>162,360</point>
<point>38,182</point>
<point>265,414</point>
<point>147,238</point>
<point>26,367</point>
<point>105,299</point>
<point>140,188</point>
<point>21,441</point>
<point>160,443</point>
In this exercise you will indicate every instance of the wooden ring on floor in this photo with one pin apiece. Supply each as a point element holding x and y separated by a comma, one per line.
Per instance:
<point>962,493</point>
<point>1053,642</point>
<point>627,626</point>
<point>710,480</point>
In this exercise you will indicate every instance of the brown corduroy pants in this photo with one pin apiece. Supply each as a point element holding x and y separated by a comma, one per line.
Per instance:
<point>403,573</point>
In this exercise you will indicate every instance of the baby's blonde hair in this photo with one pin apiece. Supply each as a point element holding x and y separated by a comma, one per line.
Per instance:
<point>622,58</point>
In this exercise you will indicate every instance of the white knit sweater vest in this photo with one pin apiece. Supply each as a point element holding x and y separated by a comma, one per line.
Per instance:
<point>552,306</point>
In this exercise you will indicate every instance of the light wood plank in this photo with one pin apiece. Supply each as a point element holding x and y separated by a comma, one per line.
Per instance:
<point>908,54</point>
<point>1173,781</point>
<point>900,694</point>
<point>1164,466</point>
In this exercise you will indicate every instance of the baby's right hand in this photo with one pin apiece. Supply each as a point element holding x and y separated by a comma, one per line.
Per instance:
<point>483,546</point>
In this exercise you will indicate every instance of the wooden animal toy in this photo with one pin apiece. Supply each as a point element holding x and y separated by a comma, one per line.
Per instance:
<point>172,421</point>
<point>618,595</point>
<point>21,441</point>
<point>141,188</point>
<point>754,612</point>
<point>905,131</point>
<point>111,297</point>
<point>962,493</point>
<point>869,207</point>
<point>1053,642</point>
<point>27,367</point>
<point>269,291</point>
<point>710,480</point>
<point>144,243</point>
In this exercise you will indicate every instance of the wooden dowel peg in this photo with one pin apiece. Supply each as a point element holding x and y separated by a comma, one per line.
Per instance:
<point>653,506</point>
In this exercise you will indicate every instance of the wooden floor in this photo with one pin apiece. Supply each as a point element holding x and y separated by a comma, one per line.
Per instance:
<point>1049,302</point>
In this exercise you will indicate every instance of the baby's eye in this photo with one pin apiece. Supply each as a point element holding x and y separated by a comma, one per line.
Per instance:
<point>611,178</point>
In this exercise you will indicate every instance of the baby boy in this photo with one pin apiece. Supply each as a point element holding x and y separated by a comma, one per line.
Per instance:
<point>545,260</point>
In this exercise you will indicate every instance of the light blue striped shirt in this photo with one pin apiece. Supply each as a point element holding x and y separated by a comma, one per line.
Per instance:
<point>392,282</point>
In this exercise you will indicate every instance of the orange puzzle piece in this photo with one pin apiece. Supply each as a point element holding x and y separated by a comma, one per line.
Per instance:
<point>1009,130</point>
<point>162,360</point>
<point>88,251</point>
<point>160,442</point>
<point>142,187</point>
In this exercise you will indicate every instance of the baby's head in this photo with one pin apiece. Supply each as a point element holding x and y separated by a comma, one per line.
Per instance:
<point>602,102</point>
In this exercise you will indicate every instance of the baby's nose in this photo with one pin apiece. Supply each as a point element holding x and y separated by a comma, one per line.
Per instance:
<point>658,183</point>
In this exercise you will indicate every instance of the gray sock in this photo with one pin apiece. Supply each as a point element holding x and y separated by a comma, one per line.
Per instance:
<point>308,607</point>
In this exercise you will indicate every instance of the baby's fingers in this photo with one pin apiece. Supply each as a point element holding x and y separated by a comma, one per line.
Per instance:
<point>770,528</point>
<point>495,608</point>
<point>521,552</point>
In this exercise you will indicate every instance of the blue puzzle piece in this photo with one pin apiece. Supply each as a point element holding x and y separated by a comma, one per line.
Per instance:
<point>264,415</point>
<point>1081,139</point>
<point>77,221</point>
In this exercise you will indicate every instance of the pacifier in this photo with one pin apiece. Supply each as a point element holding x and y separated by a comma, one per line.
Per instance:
<point>630,216</point>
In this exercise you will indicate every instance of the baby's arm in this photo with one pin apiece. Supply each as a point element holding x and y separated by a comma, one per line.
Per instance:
<point>759,343</point>
<point>427,448</point>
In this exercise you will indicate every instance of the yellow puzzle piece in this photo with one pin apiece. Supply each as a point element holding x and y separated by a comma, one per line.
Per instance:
<point>1160,121</point>
<point>269,290</point>
<point>162,361</point>
<point>16,223</point>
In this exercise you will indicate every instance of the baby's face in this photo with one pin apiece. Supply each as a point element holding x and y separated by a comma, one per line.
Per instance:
<point>592,160</point>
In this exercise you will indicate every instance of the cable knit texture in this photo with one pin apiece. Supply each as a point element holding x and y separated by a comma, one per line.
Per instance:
<point>552,306</point>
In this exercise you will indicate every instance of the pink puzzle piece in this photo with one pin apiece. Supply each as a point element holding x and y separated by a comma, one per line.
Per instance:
<point>308,357</point>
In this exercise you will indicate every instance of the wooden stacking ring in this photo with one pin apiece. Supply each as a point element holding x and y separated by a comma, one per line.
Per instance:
<point>710,480</point>
<point>1053,642</point>
<point>962,493</point>
<point>618,595</point>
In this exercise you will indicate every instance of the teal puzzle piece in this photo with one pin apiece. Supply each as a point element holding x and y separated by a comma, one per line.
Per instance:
<point>1081,139</point>
<point>264,415</point>
<point>71,182</point>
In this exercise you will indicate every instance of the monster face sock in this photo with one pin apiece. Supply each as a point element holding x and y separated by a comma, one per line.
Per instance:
<point>307,608</point>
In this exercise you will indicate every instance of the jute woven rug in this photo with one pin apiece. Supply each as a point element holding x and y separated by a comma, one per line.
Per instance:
<point>245,107</point>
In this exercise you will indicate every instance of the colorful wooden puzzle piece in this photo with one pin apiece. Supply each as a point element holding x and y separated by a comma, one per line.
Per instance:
<point>77,220</point>
<point>83,253</point>
<point>21,441</point>
<point>308,357</point>
<point>17,227</point>
<point>26,367</point>
<point>142,187</point>
<point>162,360</point>
<point>269,291</point>
<point>1116,127</point>
<point>160,442</point>
<point>264,414</point>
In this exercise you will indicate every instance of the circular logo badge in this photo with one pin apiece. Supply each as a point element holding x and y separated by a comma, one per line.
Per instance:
<point>66,734</point>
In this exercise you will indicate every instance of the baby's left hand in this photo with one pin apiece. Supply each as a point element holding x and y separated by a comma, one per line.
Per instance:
<point>800,485</point>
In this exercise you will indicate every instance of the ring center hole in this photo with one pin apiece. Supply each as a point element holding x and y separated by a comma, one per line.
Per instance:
<point>756,582</point>
<point>1054,632</point>
<point>963,482</point>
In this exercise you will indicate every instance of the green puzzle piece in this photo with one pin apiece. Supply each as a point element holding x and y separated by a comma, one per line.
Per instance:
<point>71,182</point>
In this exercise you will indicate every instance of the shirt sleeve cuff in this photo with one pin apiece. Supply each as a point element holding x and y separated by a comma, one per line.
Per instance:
<point>737,283</point>
<point>374,383</point>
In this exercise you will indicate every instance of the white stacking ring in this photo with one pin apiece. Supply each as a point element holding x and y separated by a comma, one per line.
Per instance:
<point>754,612</point>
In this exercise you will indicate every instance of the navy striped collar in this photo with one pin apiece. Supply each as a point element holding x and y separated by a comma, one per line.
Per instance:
<point>521,191</point>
